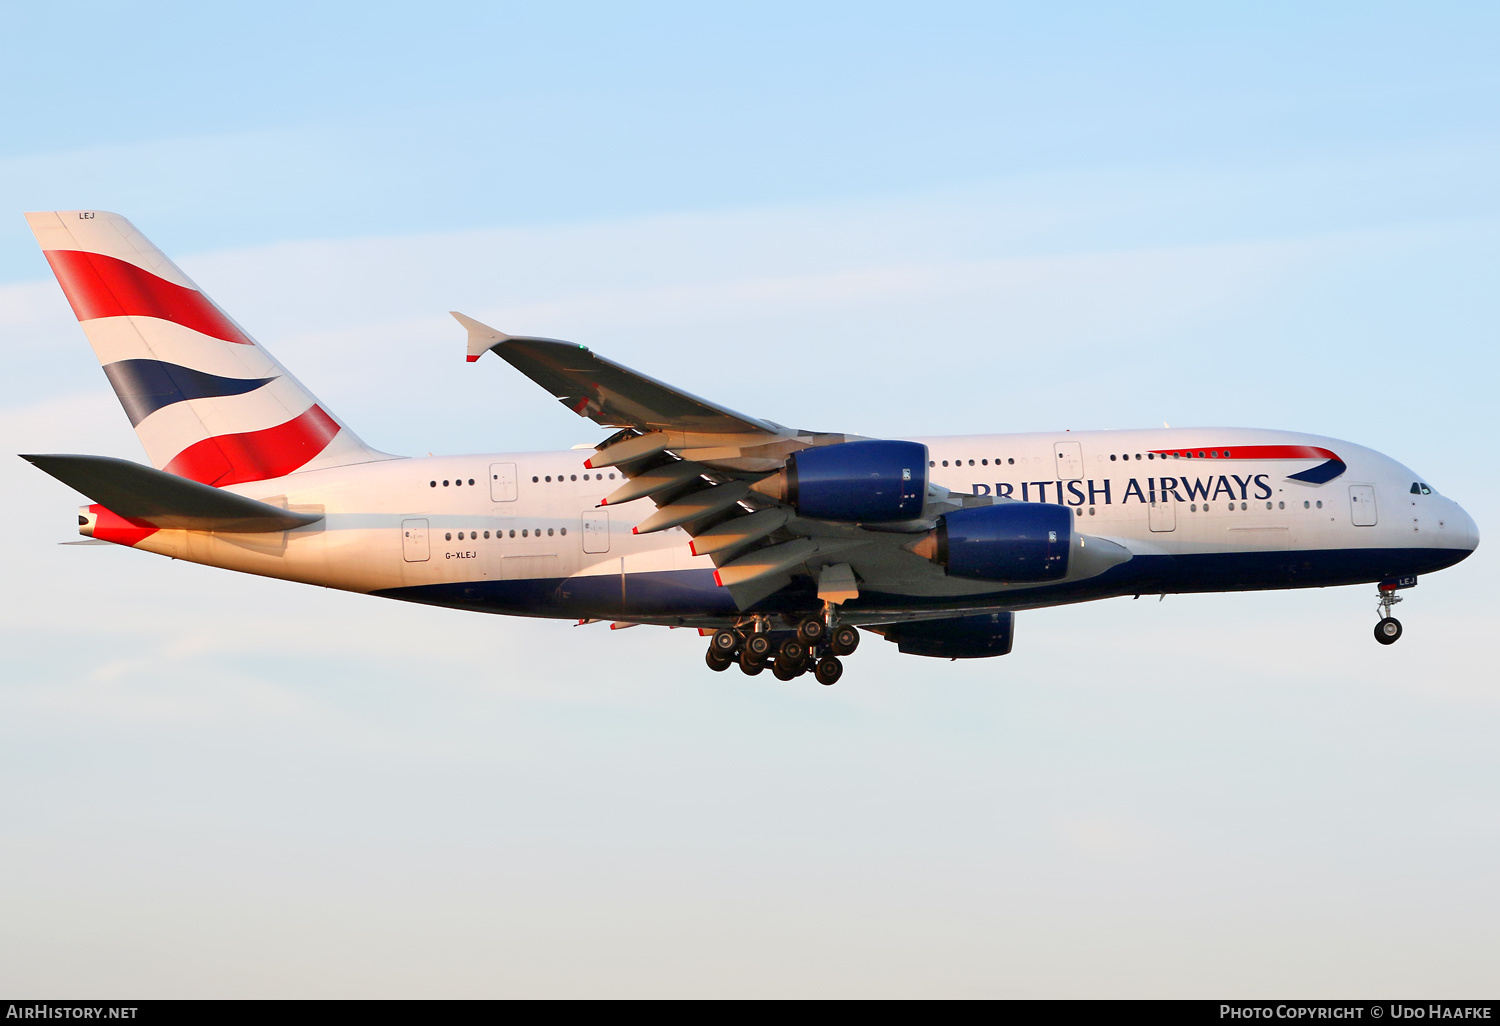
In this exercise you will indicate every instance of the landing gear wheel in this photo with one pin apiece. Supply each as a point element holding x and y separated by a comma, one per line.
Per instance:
<point>785,671</point>
<point>759,646</point>
<point>717,661</point>
<point>725,641</point>
<point>791,651</point>
<point>749,667</point>
<point>829,670</point>
<point>844,640</point>
<point>811,631</point>
<point>1388,631</point>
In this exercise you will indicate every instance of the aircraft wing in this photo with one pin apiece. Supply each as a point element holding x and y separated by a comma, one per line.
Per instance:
<point>720,476</point>
<point>602,390</point>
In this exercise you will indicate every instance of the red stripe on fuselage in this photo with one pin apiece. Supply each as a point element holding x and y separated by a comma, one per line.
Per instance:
<point>1254,452</point>
<point>103,286</point>
<point>111,527</point>
<point>256,455</point>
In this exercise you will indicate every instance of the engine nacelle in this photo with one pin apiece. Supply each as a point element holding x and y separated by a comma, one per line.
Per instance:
<point>978,636</point>
<point>1012,542</point>
<point>873,482</point>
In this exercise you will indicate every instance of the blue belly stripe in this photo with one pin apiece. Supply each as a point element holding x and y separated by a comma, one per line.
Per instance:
<point>691,593</point>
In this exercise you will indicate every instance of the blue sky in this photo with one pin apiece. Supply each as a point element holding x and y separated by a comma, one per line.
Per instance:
<point>872,218</point>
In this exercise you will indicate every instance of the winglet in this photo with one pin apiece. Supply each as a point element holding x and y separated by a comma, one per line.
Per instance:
<point>482,337</point>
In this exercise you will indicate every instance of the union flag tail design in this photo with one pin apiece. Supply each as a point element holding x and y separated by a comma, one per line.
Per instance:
<point>207,402</point>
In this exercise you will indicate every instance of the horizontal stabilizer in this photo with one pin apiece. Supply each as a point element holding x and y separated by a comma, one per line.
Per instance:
<point>165,500</point>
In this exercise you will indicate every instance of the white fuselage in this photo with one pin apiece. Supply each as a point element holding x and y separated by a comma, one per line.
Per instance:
<point>415,527</point>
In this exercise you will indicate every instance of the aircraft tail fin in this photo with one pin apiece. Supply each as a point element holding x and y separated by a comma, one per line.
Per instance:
<point>207,402</point>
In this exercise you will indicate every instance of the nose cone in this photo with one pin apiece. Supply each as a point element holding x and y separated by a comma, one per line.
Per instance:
<point>1465,531</point>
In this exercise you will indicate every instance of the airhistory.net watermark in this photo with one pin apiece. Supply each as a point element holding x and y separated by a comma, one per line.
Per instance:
<point>41,1010</point>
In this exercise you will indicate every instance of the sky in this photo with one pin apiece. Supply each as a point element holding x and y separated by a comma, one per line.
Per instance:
<point>881,219</point>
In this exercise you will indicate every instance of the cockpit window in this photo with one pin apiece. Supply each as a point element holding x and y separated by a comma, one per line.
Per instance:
<point>1418,488</point>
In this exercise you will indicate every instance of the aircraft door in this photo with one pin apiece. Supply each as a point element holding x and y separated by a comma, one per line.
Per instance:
<point>1069,461</point>
<point>1163,514</point>
<point>1362,505</point>
<point>414,540</point>
<point>596,530</point>
<point>503,482</point>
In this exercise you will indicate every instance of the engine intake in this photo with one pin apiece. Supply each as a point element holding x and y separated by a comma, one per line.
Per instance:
<point>873,482</point>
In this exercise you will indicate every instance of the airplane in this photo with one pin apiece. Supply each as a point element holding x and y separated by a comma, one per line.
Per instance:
<point>782,546</point>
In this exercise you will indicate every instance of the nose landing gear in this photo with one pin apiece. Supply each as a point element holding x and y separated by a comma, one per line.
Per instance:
<point>1388,630</point>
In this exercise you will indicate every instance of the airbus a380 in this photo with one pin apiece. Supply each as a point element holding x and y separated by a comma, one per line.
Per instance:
<point>779,544</point>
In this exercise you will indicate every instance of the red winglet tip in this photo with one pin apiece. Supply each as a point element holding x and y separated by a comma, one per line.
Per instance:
<point>692,548</point>
<point>717,583</point>
<point>588,464</point>
<point>471,357</point>
<point>634,531</point>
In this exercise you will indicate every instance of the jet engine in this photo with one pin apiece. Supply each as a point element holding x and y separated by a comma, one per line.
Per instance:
<point>977,636</point>
<point>873,481</point>
<point>1017,543</point>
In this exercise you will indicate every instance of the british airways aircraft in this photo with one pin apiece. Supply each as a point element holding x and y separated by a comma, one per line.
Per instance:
<point>778,544</point>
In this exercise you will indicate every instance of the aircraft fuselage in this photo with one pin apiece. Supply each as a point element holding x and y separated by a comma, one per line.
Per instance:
<point>1200,509</point>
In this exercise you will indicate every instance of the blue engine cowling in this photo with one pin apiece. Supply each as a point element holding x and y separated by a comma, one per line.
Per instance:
<point>1012,542</point>
<point>958,637</point>
<point>871,481</point>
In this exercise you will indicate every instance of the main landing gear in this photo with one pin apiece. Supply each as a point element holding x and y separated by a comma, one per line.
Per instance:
<point>1388,630</point>
<point>816,644</point>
